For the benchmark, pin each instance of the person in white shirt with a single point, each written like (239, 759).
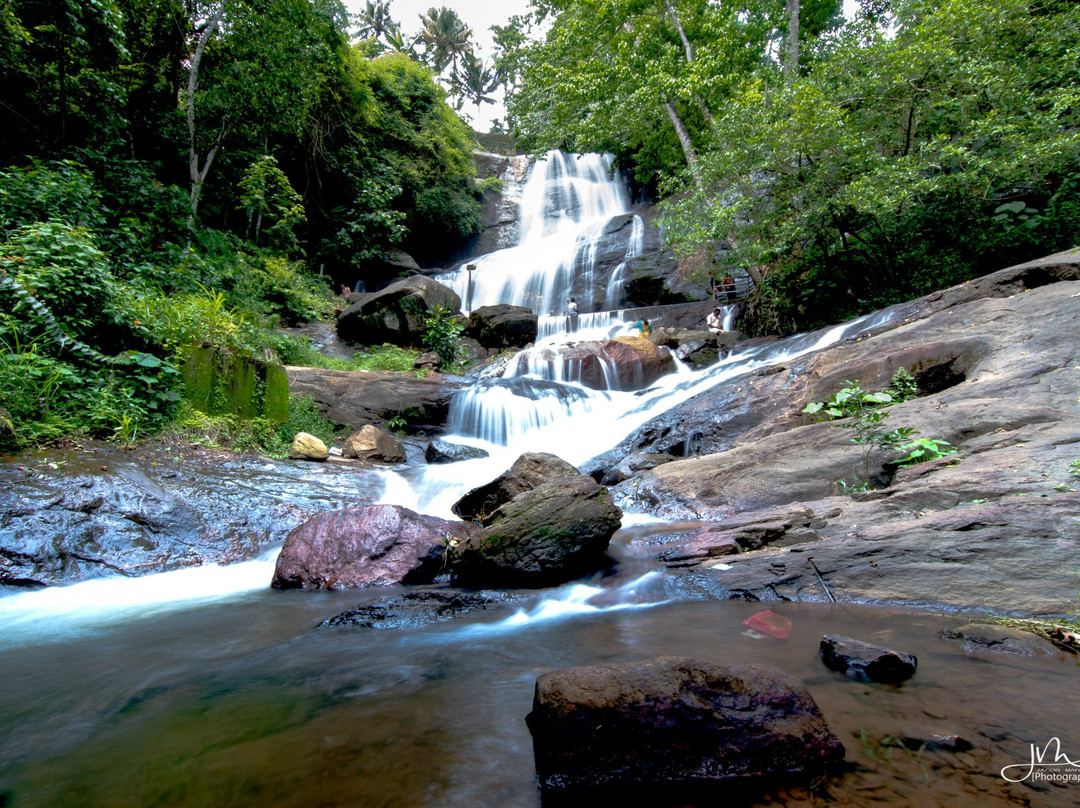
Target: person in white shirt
(715, 322)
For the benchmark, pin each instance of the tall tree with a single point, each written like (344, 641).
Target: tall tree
(446, 40)
(478, 80)
(373, 21)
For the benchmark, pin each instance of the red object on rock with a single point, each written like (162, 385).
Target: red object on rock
(771, 623)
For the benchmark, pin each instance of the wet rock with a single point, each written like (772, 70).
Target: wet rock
(355, 398)
(366, 546)
(706, 544)
(555, 532)
(529, 470)
(441, 451)
(999, 639)
(97, 513)
(306, 446)
(860, 660)
(502, 326)
(397, 313)
(668, 723)
(624, 363)
(631, 465)
(371, 443)
(418, 609)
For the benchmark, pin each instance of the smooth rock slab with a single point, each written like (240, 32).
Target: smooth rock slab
(861, 660)
(672, 721)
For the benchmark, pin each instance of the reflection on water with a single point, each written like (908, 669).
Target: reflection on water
(245, 703)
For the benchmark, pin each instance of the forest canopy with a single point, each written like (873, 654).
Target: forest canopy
(843, 163)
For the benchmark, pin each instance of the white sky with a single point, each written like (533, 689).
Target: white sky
(479, 15)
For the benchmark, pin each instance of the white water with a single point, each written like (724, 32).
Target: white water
(565, 205)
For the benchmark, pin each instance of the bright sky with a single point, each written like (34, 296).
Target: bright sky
(479, 15)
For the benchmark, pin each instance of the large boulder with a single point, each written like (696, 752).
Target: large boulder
(371, 443)
(502, 326)
(529, 470)
(536, 530)
(667, 723)
(623, 363)
(366, 546)
(355, 398)
(397, 313)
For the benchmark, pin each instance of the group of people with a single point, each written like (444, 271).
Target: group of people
(726, 286)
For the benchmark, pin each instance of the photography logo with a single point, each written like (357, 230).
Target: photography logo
(1047, 764)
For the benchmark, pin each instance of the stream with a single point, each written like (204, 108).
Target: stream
(204, 687)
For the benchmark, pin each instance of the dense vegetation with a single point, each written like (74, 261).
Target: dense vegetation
(844, 164)
(184, 171)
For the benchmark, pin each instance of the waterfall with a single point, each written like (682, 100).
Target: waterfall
(566, 203)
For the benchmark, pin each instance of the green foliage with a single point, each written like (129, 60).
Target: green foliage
(267, 194)
(865, 412)
(442, 334)
(59, 265)
(924, 450)
(902, 386)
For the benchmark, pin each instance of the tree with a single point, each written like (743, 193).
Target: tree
(636, 77)
(252, 75)
(446, 41)
(477, 80)
(374, 20)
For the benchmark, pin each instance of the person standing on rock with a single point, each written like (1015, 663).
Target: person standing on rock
(644, 328)
(571, 307)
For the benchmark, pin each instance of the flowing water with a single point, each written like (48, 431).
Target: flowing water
(206, 688)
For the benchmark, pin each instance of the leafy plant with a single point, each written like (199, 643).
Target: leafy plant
(442, 332)
(924, 450)
(864, 412)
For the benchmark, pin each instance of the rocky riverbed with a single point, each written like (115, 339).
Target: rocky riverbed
(992, 527)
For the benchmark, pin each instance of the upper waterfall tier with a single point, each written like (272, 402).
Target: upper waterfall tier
(576, 233)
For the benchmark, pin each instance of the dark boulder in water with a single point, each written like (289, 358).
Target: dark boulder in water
(668, 724)
(542, 523)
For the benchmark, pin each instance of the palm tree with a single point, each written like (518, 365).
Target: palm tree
(446, 39)
(374, 20)
(477, 80)
(397, 41)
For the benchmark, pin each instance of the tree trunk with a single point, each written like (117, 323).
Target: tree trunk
(684, 140)
(197, 173)
(688, 49)
(791, 60)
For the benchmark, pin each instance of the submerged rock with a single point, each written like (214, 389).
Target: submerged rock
(417, 609)
(668, 723)
(861, 660)
(999, 639)
(366, 546)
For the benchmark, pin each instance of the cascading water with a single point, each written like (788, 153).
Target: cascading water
(204, 687)
(565, 205)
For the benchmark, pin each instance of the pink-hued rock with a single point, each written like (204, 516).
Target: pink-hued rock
(369, 545)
